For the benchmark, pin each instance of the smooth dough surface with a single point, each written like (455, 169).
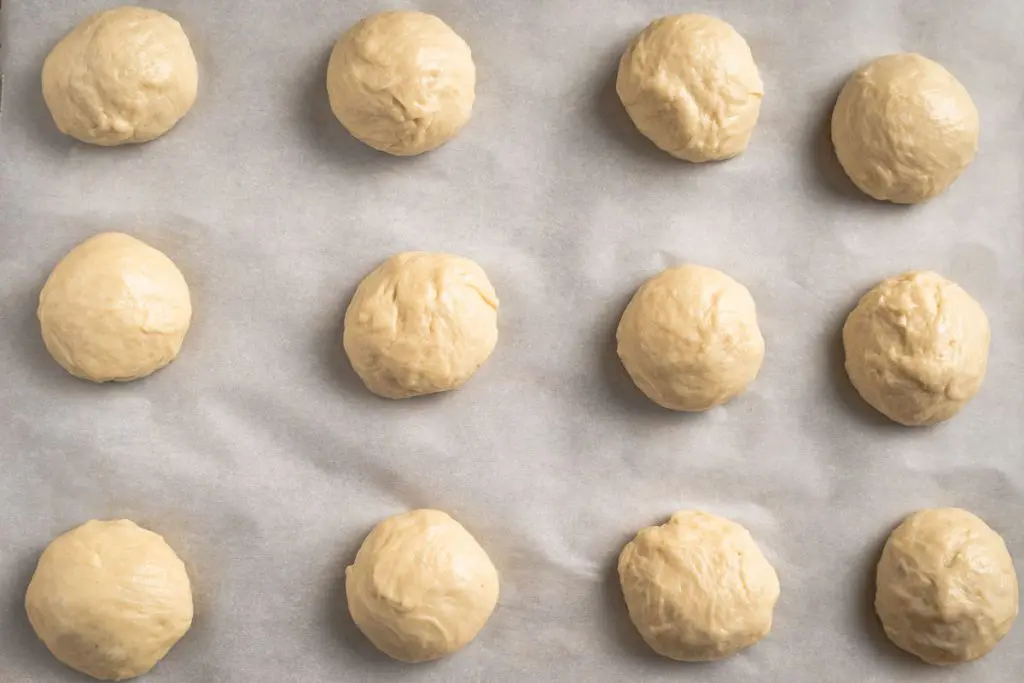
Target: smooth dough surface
(947, 590)
(421, 323)
(123, 75)
(691, 86)
(904, 128)
(110, 599)
(689, 338)
(917, 348)
(114, 308)
(421, 586)
(698, 588)
(402, 82)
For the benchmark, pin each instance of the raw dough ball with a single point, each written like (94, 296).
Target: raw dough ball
(124, 75)
(114, 308)
(917, 348)
(421, 586)
(402, 82)
(421, 323)
(690, 84)
(947, 590)
(110, 599)
(698, 588)
(904, 128)
(689, 338)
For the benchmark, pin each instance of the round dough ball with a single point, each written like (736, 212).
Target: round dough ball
(124, 75)
(917, 348)
(114, 308)
(690, 84)
(904, 128)
(402, 82)
(421, 586)
(421, 323)
(109, 599)
(947, 591)
(689, 338)
(698, 588)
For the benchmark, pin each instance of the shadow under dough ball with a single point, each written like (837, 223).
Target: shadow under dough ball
(947, 590)
(114, 309)
(121, 76)
(402, 82)
(904, 128)
(689, 338)
(917, 348)
(110, 599)
(421, 323)
(698, 588)
(421, 587)
(690, 85)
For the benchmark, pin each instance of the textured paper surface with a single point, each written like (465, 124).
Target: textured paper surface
(264, 462)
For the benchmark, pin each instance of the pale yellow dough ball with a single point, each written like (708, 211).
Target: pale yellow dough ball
(123, 75)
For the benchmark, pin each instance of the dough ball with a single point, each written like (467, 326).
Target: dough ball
(947, 591)
(421, 586)
(698, 588)
(114, 308)
(904, 128)
(402, 82)
(689, 338)
(917, 348)
(109, 599)
(124, 75)
(421, 323)
(690, 84)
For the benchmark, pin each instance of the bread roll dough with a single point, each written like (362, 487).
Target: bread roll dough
(904, 128)
(917, 348)
(698, 588)
(689, 338)
(947, 590)
(114, 308)
(421, 323)
(402, 82)
(109, 599)
(421, 586)
(123, 75)
(690, 84)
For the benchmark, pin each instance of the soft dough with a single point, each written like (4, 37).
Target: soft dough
(124, 75)
(698, 588)
(689, 338)
(110, 599)
(114, 308)
(421, 586)
(402, 82)
(904, 128)
(947, 590)
(691, 85)
(421, 323)
(917, 348)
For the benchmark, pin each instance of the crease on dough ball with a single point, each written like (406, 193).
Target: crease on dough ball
(402, 82)
(917, 348)
(689, 338)
(947, 590)
(114, 309)
(698, 588)
(421, 323)
(904, 128)
(421, 587)
(124, 75)
(690, 85)
(110, 599)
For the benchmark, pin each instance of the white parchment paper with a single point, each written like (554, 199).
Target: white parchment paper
(262, 459)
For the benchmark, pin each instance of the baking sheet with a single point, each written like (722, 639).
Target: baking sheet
(264, 462)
